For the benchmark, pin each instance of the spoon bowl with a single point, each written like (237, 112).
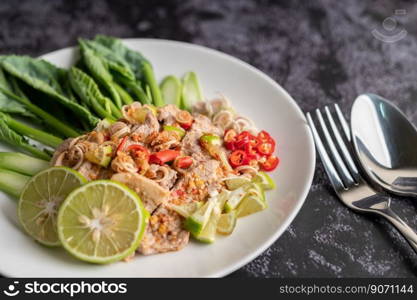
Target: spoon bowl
(385, 142)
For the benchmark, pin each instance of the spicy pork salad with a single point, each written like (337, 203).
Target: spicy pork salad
(145, 167)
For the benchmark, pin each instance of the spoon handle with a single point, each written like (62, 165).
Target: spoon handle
(409, 234)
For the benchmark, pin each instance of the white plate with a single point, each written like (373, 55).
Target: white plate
(253, 94)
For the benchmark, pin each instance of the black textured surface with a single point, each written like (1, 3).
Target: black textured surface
(321, 52)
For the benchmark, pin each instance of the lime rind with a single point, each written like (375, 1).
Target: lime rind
(35, 194)
(142, 221)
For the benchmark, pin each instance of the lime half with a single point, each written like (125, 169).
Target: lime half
(40, 200)
(102, 222)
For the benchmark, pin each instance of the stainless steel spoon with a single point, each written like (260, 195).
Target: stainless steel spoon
(385, 143)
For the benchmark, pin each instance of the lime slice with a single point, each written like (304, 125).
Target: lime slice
(186, 210)
(250, 205)
(40, 200)
(227, 223)
(234, 199)
(265, 181)
(198, 220)
(234, 183)
(102, 222)
(257, 190)
(208, 234)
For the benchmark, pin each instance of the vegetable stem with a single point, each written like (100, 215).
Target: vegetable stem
(153, 85)
(36, 134)
(12, 183)
(48, 119)
(21, 163)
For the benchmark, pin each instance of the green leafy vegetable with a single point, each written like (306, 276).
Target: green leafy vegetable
(140, 66)
(46, 117)
(44, 77)
(126, 98)
(8, 104)
(100, 72)
(89, 93)
(13, 138)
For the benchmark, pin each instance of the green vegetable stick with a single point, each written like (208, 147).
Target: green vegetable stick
(171, 90)
(191, 90)
(13, 138)
(12, 183)
(22, 163)
(153, 85)
(33, 133)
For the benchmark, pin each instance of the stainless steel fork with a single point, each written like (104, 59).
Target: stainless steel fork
(344, 175)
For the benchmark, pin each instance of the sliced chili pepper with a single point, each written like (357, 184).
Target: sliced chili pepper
(266, 148)
(121, 145)
(163, 157)
(230, 139)
(183, 162)
(242, 139)
(139, 149)
(238, 158)
(264, 136)
(251, 152)
(270, 164)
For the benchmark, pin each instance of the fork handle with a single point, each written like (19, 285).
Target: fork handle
(409, 234)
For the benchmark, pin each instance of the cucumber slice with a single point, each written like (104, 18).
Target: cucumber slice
(191, 91)
(171, 90)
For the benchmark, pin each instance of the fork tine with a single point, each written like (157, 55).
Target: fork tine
(348, 158)
(337, 159)
(343, 122)
(327, 162)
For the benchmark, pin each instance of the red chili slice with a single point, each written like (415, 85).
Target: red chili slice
(238, 158)
(229, 139)
(163, 157)
(266, 148)
(183, 162)
(264, 136)
(270, 164)
(138, 149)
(121, 145)
(251, 152)
(242, 139)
